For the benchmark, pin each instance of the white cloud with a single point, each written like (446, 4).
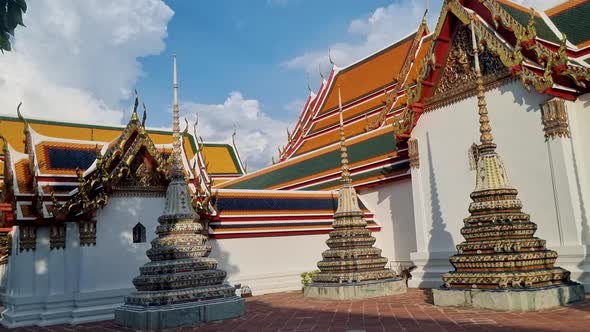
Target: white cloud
(258, 135)
(384, 26)
(76, 60)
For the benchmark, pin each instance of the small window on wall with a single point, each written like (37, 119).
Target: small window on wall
(139, 233)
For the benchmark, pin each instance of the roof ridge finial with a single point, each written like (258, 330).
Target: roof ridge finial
(144, 117)
(427, 4)
(176, 161)
(320, 70)
(484, 128)
(134, 116)
(330, 57)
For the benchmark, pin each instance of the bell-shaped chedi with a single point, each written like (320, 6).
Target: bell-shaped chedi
(180, 285)
(352, 268)
(501, 264)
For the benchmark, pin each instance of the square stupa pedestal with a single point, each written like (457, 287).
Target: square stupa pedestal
(510, 300)
(162, 317)
(355, 291)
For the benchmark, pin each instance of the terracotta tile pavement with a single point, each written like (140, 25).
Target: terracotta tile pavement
(407, 312)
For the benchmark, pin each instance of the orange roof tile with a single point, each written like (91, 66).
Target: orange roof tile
(563, 7)
(370, 74)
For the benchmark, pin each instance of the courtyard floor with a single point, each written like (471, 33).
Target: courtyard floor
(408, 312)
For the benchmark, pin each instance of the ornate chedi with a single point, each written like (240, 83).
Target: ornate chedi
(501, 265)
(352, 267)
(180, 285)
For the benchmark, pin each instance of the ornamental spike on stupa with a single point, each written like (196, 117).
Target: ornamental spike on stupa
(499, 251)
(347, 199)
(352, 268)
(180, 285)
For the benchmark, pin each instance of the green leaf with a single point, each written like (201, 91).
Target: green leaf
(22, 4)
(5, 42)
(13, 16)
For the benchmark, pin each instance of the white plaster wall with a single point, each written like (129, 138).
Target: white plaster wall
(579, 119)
(115, 260)
(444, 137)
(268, 265)
(80, 284)
(393, 207)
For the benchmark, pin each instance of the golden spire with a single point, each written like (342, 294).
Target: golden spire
(347, 199)
(484, 121)
(176, 161)
(343, 149)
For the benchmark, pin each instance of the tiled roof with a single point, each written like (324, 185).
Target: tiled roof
(363, 86)
(260, 213)
(369, 75)
(573, 18)
(221, 157)
(523, 15)
(24, 177)
(64, 158)
(374, 147)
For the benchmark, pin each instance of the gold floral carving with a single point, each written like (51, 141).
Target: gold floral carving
(5, 247)
(57, 236)
(413, 153)
(555, 122)
(458, 76)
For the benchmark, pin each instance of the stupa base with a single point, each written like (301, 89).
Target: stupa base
(162, 317)
(510, 300)
(354, 291)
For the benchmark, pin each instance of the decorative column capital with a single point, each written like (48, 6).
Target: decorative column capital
(554, 115)
(87, 229)
(413, 153)
(27, 238)
(57, 236)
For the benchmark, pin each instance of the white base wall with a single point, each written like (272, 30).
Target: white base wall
(392, 204)
(80, 284)
(271, 264)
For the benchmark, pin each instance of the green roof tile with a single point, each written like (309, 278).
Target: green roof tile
(376, 146)
(574, 22)
(543, 30)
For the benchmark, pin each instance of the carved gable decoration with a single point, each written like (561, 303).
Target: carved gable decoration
(132, 162)
(457, 79)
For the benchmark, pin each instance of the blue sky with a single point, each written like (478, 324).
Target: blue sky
(243, 46)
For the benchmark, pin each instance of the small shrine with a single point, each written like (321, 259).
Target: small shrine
(501, 265)
(352, 268)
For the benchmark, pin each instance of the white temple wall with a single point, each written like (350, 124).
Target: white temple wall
(444, 180)
(576, 257)
(269, 264)
(392, 205)
(115, 223)
(80, 284)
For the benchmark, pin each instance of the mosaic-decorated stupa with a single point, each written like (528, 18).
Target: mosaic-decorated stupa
(352, 259)
(180, 281)
(500, 250)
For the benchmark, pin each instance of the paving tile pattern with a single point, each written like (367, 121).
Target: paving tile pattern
(407, 312)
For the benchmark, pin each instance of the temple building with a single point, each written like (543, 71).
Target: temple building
(80, 202)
